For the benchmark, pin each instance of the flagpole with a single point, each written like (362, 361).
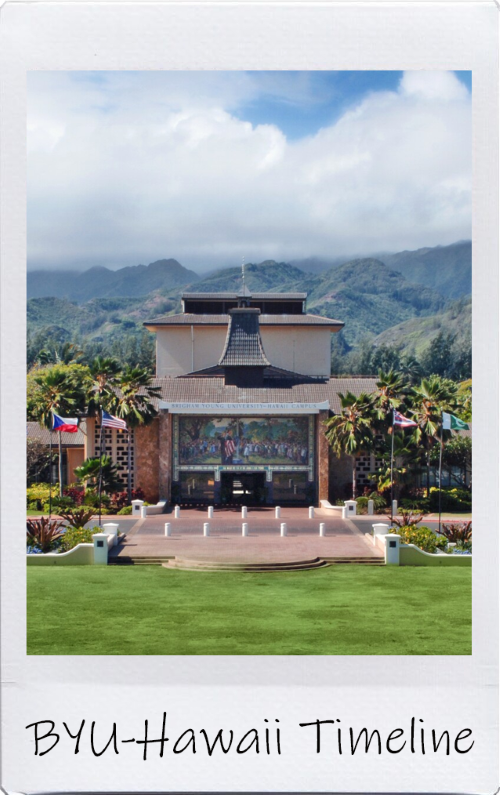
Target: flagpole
(440, 468)
(100, 470)
(50, 467)
(392, 466)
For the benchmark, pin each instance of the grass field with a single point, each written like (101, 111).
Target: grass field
(338, 610)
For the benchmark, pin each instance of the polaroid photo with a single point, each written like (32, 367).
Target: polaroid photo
(249, 267)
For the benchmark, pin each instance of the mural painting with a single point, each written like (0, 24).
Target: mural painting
(243, 440)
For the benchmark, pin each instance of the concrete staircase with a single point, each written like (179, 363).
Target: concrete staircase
(188, 564)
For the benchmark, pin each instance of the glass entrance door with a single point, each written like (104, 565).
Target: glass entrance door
(243, 488)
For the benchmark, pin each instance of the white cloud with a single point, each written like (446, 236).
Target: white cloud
(128, 169)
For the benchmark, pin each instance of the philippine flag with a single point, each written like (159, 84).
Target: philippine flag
(403, 422)
(64, 424)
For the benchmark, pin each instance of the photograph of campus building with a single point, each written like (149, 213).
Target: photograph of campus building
(245, 389)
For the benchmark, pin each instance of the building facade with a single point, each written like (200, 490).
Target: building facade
(245, 391)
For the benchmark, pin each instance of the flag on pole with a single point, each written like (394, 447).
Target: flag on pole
(403, 422)
(452, 423)
(108, 421)
(64, 424)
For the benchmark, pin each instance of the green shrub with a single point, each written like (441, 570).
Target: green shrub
(423, 537)
(78, 517)
(126, 511)
(451, 500)
(77, 535)
(92, 499)
(416, 504)
(38, 494)
(62, 503)
(459, 533)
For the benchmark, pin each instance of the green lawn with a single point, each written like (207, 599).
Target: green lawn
(338, 610)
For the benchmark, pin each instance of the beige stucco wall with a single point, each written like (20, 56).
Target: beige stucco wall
(410, 555)
(183, 349)
(81, 555)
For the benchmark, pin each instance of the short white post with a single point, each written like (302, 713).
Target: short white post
(392, 544)
(168, 529)
(380, 529)
(394, 507)
(277, 512)
(349, 509)
(283, 529)
(371, 507)
(244, 529)
(136, 507)
(244, 511)
(177, 512)
(144, 511)
(322, 529)
(210, 512)
(111, 529)
(100, 548)
(311, 512)
(206, 529)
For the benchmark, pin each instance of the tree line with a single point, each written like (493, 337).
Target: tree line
(365, 426)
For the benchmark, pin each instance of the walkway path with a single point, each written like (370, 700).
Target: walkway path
(264, 543)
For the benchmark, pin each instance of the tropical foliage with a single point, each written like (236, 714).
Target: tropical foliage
(43, 534)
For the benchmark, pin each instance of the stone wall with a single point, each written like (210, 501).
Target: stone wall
(165, 455)
(340, 480)
(323, 457)
(146, 460)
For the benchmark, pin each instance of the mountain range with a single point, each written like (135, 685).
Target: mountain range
(403, 298)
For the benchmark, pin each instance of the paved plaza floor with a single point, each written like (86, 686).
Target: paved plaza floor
(343, 539)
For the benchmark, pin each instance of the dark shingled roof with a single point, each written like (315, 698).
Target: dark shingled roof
(255, 296)
(41, 434)
(243, 346)
(189, 319)
(214, 390)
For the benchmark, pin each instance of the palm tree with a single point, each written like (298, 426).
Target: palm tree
(428, 400)
(134, 404)
(104, 373)
(56, 392)
(351, 431)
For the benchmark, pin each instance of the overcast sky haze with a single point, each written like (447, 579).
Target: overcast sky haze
(207, 167)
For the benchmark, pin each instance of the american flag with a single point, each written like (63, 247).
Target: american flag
(108, 421)
(403, 422)
(230, 447)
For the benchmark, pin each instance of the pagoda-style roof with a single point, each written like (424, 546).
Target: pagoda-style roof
(243, 346)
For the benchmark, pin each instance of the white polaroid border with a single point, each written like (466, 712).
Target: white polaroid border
(240, 692)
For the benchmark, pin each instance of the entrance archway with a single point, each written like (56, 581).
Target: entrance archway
(243, 488)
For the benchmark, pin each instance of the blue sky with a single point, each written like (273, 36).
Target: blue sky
(331, 94)
(129, 167)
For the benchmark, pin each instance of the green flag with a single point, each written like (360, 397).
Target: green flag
(452, 423)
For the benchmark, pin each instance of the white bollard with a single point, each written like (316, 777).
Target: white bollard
(210, 512)
(177, 512)
(380, 529)
(244, 511)
(283, 529)
(244, 529)
(311, 512)
(206, 529)
(277, 512)
(144, 511)
(350, 507)
(136, 507)
(168, 529)
(322, 529)
(371, 507)
(111, 529)
(394, 507)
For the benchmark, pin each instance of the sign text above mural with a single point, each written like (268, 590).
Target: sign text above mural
(244, 408)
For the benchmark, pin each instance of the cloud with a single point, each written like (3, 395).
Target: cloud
(131, 167)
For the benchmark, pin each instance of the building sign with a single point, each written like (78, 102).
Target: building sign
(243, 444)
(244, 408)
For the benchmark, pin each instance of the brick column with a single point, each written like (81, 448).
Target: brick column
(165, 454)
(323, 458)
(146, 460)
